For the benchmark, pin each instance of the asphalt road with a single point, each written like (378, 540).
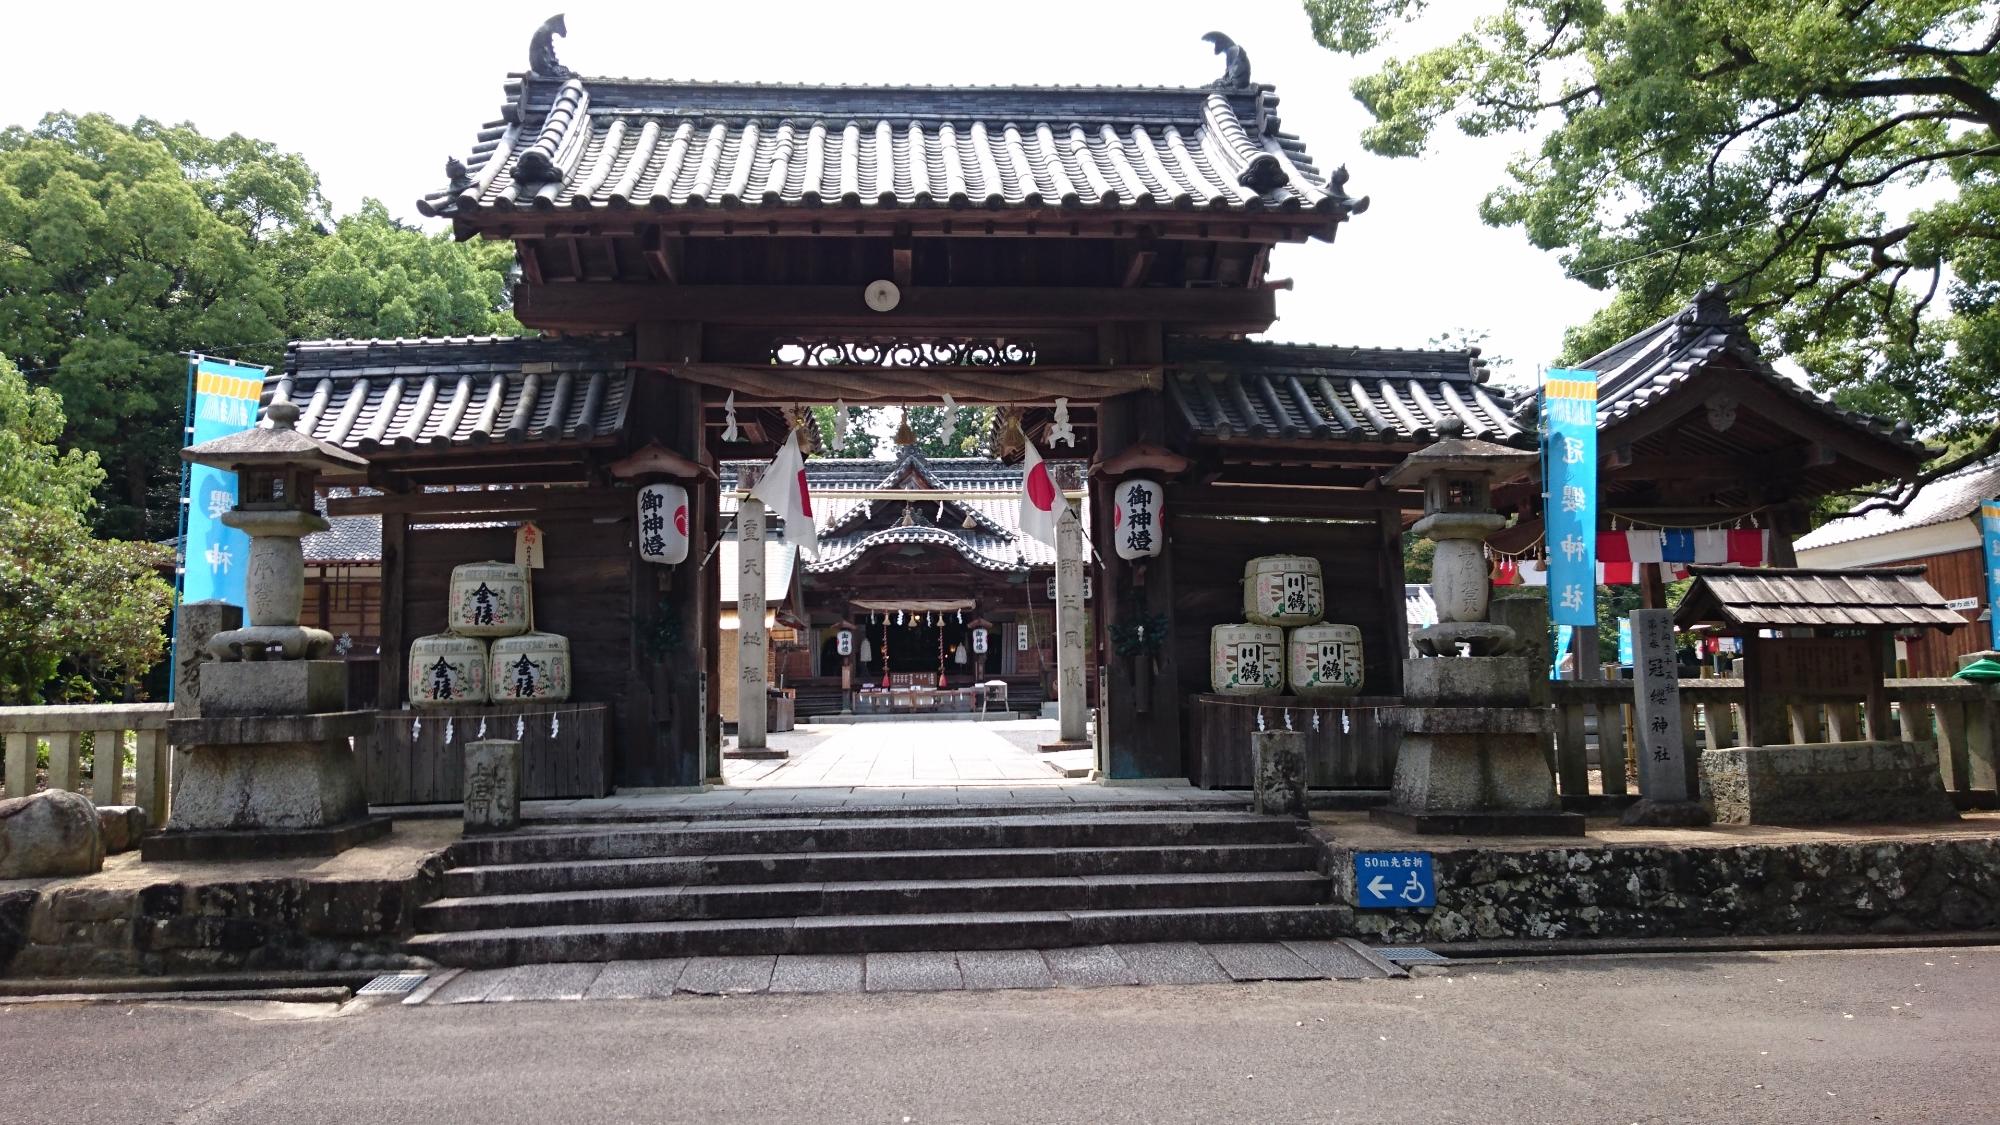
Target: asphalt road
(1894, 1036)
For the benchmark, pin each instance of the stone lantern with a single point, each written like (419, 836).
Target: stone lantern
(277, 469)
(1471, 761)
(268, 768)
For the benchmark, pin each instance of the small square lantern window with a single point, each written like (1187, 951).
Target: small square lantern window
(1453, 493)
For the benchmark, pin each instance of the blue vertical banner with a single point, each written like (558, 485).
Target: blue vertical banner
(1989, 534)
(1569, 497)
(222, 400)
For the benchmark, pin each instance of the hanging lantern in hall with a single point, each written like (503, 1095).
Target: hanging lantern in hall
(1138, 527)
(663, 523)
(979, 639)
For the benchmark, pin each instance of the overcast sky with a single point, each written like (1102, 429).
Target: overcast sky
(376, 95)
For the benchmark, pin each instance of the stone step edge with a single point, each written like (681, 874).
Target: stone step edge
(845, 886)
(837, 921)
(887, 818)
(851, 810)
(470, 869)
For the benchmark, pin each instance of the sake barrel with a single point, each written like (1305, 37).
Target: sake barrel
(447, 668)
(530, 666)
(1246, 659)
(1283, 590)
(1324, 660)
(490, 599)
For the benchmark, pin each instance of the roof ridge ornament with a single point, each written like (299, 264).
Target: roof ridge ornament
(1236, 62)
(542, 50)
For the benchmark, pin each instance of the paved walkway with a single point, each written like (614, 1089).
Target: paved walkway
(1088, 966)
(902, 753)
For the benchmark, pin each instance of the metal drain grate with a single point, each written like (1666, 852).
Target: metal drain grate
(392, 984)
(1410, 954)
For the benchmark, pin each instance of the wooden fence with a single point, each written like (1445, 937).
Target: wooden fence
(1961, 717)
(1350, 743)
(27, 729)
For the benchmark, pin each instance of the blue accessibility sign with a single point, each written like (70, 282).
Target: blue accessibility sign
(1394, 880)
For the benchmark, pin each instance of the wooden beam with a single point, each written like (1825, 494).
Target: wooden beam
(864, 386)
(662, 257)
(480, 501)
(619, 305)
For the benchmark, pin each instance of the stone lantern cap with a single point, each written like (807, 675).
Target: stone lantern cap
(1454, 454)
(277, 446)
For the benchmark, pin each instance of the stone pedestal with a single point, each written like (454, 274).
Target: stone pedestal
(1278, 772)
(492, 785)
(1827, 783)
(1471, 761)
(195, 624)
(273, 687)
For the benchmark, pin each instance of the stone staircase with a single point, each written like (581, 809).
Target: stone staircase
(870, 884)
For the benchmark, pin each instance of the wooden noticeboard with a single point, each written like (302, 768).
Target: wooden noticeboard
(1817, 667)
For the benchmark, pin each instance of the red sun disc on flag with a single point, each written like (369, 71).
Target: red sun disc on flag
(1041, 490)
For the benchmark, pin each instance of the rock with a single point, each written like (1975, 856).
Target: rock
(121, 827)
(53, 832)
(1647, 813)
(1278, 760)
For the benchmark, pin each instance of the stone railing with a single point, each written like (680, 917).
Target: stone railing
(26, 728)
(1963, 718)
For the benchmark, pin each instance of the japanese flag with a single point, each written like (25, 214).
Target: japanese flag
(1038, 498)
(783, 491)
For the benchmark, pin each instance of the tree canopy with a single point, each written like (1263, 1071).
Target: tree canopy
(1832, 163)
(122, 246)
(86, 610)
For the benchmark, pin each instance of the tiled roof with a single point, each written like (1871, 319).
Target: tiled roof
(1951, 497)
(1312, 392)
(1772, 598)
(346, 539)
(1648, 365)
(593, 143)
(369, 394)
(994, 542)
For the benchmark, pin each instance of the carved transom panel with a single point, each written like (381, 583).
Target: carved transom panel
(901, 351)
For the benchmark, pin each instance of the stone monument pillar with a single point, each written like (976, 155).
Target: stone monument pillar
(268, 769)
(1471, 761)
(1072, 698)
(752, 641)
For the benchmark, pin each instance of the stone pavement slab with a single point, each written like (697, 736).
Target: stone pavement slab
(636, 980)
(1005, 968)
(818, 972)
(469, 987)
(1089, 966)
(715, 976)
(1335, 959)
(914, 972)
(1172, 962)
(546, 982)
(1261, 960)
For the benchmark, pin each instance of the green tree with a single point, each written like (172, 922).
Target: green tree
(1831, 161)
(373, 276)
(970, 434)
(70, 605)
(123, 246)
(860, 442)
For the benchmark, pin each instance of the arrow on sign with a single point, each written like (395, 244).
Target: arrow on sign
(1380, 887)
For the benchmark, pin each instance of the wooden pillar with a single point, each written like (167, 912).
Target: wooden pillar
(661, 743)
(395, 634)
(1396, 607)
(706, 672)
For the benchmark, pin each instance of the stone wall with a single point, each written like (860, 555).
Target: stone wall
(151, 920)
(1883, 886)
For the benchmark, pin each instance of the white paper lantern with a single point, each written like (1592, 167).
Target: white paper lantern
(979, 641)
(844, 643)
(1138, 527)
(663, 523)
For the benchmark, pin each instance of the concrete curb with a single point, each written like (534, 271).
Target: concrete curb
(287, 979)
(1486, 951)
(331, 995)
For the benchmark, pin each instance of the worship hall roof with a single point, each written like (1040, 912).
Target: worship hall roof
(1240, 389)
(567, 143)
(850, 528)
(1779, 598)
(455, 393)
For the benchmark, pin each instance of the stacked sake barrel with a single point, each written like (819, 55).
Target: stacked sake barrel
(460, 665)
(1284, 600)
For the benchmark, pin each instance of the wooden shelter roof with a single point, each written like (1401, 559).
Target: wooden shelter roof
(1238, 389)
(1781, 598)
(571, 144)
